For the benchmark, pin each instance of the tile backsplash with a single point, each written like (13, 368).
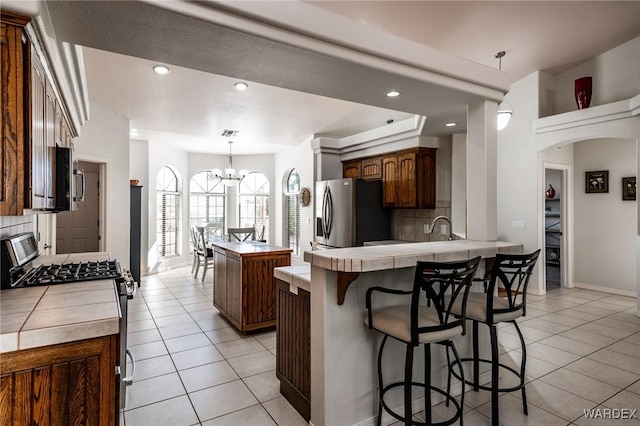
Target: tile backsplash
(10, 225)
(408, 224)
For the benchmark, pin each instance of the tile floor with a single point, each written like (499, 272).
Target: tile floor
(193, 368)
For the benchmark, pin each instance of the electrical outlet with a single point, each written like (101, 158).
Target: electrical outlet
(426, 229)
(443, 229)
(517, 224)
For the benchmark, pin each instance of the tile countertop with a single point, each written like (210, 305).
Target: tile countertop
(396, 256)
(298, 276)
(47, 315)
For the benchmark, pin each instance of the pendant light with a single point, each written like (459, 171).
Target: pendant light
(229, 178)
(505, 111)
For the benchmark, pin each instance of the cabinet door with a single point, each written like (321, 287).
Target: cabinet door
(351, 170)
(371, 169)
(68, 384)
(12, 140)
(38, 141)
(389, 181)
(50, 103)
(426, 178)
(406, 175)
(220, 280)
(235, 286)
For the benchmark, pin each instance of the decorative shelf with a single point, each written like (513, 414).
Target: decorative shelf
(553, 263)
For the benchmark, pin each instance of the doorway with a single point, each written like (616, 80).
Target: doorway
(78, 231)
(557, 196)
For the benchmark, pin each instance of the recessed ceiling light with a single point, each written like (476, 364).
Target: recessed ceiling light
(393, 93)
(241, 85)
(451, 124)
(161, 69)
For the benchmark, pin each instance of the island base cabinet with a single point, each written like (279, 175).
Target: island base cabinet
(67, 384)
(244, 287)
(293, 347)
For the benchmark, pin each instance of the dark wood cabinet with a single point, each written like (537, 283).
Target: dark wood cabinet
(244, 288)
(366, 168)
(33, 123)
(293, 347)
(351, 169)
(13, 150)
(409, 179)
(72, 383)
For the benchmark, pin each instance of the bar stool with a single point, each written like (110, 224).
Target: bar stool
(443, 283)
(511, 274)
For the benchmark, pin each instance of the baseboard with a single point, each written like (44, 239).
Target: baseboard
(418, 404)
(606, 289)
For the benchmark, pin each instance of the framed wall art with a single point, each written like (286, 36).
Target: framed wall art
(629, 188)
(596, 182)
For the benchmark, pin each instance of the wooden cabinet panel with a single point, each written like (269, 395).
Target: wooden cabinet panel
(12, 138)
(235, 288)
(389, 181)
(71, 383)
(293, 347)
(220, 280)
(351, 169)
(406, 178)
(245, 292)
(371, 168)
(409, 179)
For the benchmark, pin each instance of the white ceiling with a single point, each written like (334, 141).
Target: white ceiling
(193, 104)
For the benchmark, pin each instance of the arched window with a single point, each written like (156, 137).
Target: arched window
(207, 200)
(167, 212)
(253, 203)
(292, 212)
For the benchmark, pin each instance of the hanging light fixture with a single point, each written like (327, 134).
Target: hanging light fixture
(505, 111)
(229, 178)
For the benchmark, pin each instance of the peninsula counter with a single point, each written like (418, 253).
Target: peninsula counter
(343, 349)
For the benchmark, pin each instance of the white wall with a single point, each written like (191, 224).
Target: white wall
(301, 158)
(616, 76)
(517, 175)
(105, 139)
(605, 226)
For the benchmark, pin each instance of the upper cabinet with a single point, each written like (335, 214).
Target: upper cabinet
(408, 177)
(33, 125)
(366, 168)
(12, 155)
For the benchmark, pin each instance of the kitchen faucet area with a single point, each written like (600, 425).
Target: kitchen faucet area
(221, 213)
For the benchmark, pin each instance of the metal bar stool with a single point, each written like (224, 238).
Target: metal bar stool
(511, 274)
(420, 323)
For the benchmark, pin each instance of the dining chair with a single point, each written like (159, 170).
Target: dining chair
(204, 253)
(241, 234)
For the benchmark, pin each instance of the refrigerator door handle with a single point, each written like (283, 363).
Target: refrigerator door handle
(327, 212)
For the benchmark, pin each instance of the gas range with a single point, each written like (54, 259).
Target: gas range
(21, 266)
(71, 272)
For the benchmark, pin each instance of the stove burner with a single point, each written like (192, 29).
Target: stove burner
(72, 272)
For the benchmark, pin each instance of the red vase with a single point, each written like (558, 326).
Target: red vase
(583, 90)
(551, 192)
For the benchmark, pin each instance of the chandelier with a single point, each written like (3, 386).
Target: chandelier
(229, 178)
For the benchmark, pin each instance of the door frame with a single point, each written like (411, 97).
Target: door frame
(566, 225)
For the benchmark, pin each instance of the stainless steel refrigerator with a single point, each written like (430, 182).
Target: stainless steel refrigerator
(349, 212)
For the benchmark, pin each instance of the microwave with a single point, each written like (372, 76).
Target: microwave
(69, 181)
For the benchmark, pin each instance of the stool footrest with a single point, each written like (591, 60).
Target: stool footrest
(484, 387)
(448, 397)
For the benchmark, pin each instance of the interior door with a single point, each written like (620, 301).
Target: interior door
(79, 230)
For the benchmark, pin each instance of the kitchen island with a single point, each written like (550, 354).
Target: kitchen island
(244, 288)
(344, 350)
(59, 350)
